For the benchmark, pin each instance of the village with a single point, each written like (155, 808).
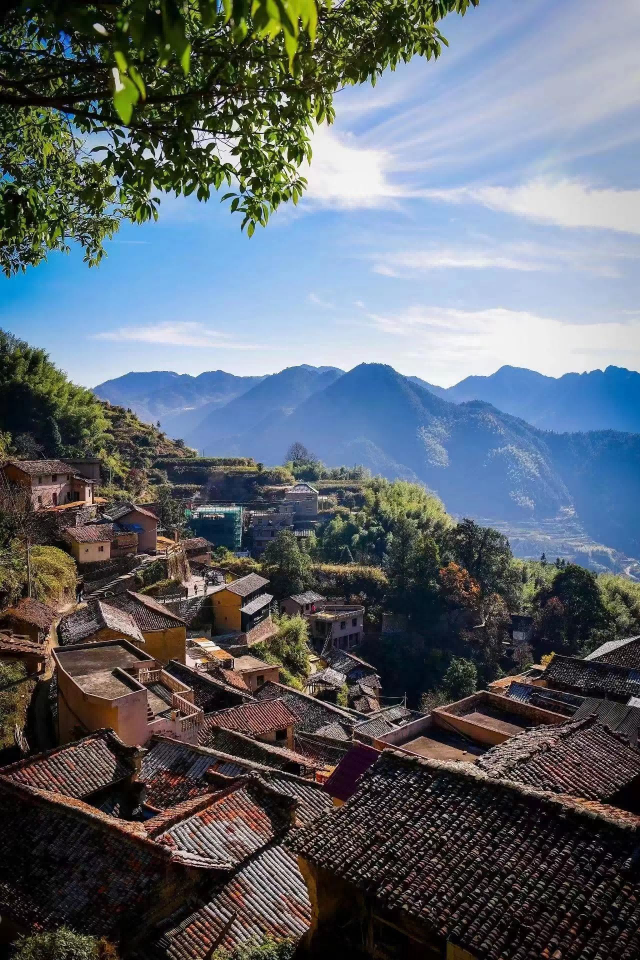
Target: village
(178, 794)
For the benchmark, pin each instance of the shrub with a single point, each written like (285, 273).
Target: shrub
(63, 944)
(53, 574)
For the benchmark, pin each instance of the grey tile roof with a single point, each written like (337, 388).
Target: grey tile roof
(313, 801)
(31, 611)
(90, 533)
(622, 717)
(257, 718)
(274, 904)
(232, 825)
(309, 596)
(313, 713)
(77, 769)
(247, 585)
(504, 871)
(147, 612)
(593, 678)
(239, 745)
(97, 615)
(210, 692)
(624, 653)
(581, 757)
(36, 468)
(544, 697)
(257, 604)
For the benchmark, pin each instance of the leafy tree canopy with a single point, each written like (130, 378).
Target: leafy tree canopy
(287, 565)
(63, 944)
(461, 679)
(289, 647)
(103, 106)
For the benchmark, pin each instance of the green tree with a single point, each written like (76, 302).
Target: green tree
(170, 511)
(287, 566)
(584, 613)
(63, 944)
(184, 97)
(402, 562)
(289, 647)
(268, 949)
(461, 679)
(486, 555)
(37, 400)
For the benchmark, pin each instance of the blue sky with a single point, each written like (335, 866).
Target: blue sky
(463, 214)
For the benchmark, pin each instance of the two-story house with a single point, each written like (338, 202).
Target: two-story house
(50, 482)
(304, 498)
(336, 626)
(241, 606)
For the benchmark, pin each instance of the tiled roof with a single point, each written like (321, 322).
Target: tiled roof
(313, 713)
(327, 677)
(269, 754)
(344, 780)
(622, 717)
(255, 718)
(210, 690)
(247, 585)
(545, 697)
(195, 543)
(90, 533)
(234, 824)
(65, 863)
(345, 662)
(78, 769)
(503, 871)
(257, 604)
(624, 653)
(173, 772)
(333, 730)
(375, 727)
(313, 801)
(37, 468)
(232, 678)
(147, 612)
(591, 677)
(309, 596)
(13, 643)
(120, 510)
(97, 615)
(324, 750)
(31, 611)
(266, 898)
(581, 757)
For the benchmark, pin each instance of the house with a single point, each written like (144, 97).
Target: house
(133, 518)
(32, 619)
(521, 627)
(50, 483)
(622, 653)
(301, 604)
(336, 626)
(98, 620)
(582, 758)
(241, 606)
(267, 754)
(197, 549)
(162, 873)
(314, 716)
(89, 543)
(265, 525)
(592, 678)
(165, 634)
(488, 719)
(14, 646)
(114, 684)
(304, 498)
(255, 672)
(430, 859)
(210, 691)
(269, 720)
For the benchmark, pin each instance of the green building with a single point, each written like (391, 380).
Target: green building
(218, 523)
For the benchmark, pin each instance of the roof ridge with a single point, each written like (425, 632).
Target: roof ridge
(299, 693)
(103, 733)
(583, 809)
(188, 808)
(597, 664)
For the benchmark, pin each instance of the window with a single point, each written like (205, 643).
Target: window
(86, 549)
(39, 479)
(354, 622)
(54, 478)
(100, 549)
(260, 679)
(343, 624)
(281, 734)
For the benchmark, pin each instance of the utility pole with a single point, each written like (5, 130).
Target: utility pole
(28, 569)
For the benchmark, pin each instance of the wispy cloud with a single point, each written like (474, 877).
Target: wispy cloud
(346, 175)
(320, 301)
(452, 343)
(565, 203)
(177, 334)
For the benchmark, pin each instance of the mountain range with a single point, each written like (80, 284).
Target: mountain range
(483, 460)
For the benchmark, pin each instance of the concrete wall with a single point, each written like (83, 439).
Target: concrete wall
(91, 552)
(148, 536)
(266, 673)
(226, 611)
(79, 712)
(165, 645)
(453, 716)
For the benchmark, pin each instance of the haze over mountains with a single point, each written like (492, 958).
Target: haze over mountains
(482, 460)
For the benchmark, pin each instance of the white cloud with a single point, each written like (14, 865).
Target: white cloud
(565, 203)
(346, 175)
(451, 343)
(417, 261)
(178, 334)
(320, 302)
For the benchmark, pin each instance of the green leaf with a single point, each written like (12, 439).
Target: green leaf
(126, 94)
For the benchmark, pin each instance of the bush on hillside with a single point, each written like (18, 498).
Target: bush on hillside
(53, 574)
(63, 944)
